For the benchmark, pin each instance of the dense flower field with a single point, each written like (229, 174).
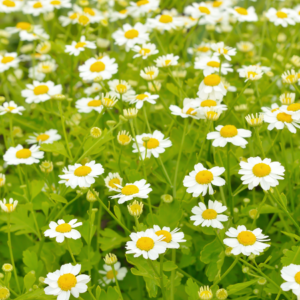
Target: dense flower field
(149, 149)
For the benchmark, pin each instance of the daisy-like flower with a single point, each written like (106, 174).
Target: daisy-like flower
(146, 243)
(124, 138)
(40, 91)
(111, 180)
(2, 179)
(205, 293)
(94, 88)
(154, 146)
(201, 50)
(103, 67)
(8, 6)
(72, 17)
(207, 13)
(211, 104)
(255, 120)
(211, 216)
(145, 50)
(139, 99)
(36, 7)
(190, 109)
(11, 107)
(211, 65)
(66, 281)
(142, 7)
(108, 100)
(291, 274)
(212, 113)
(8, 60)
(211, 87)
(19, 155)
(109, 275)
(119, 15)
(58, 4)
(251, 72)
(62, 230)
(221, 49)
(75, 48)
(131, 35)
(246, 241)
(37, 33)
(135, 208)
(81, 175)
(149, 73)
(283, 117)
(287, 98)
(167, 60)
(86, 105)
(289, 76)
(119, 87)
(201, 179)
(243, 14)
(229, 134)
(245, 46)
(172, 238)
(47, 137)
(20, 26)
(283, 17)
(10, 206)
(261, 172)
(138, 189)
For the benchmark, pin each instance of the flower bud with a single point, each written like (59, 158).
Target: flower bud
(167, 198)
(110, 259)
(91, 196)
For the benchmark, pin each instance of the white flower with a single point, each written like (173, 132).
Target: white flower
(40, 91)
(93, 15)
(37, 33)
(287, 98)
(229, 134)
(131, 35)
(155, 146)
(246, 241)
(86, 105)
(245, 46)
(190, 109)
(58, 4)
(72, 18)
(291, 274)
(165, 21)
(172, 238)
(145, 50)
(221, 49)
(167, 60)
(207, 13)
(146, 243)
(138, 189)
(283, 17)
(208, 104)
(112, 181)
(139, 99)
(296, 15)
(8, 6)
(211, 65)
(2, 179)
(19, 155)
(251, 72)
(10, 206)
(109, 275)
(11, 107)
(94, 88)
(119, 15)
(36, 7)
(103, 67)
(75, 48)
(143, 7)
(62, 230)
(211, 87)
(64, 282)
(81, 175)
(201, 179)
(290, 76)
(211, 216)
(261, 172)
(149, 73)
(201, 50)
(243, 14)
(47, 137)
(8, 60)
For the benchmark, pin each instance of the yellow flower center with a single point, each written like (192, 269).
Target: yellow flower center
(67, 281)
(281, 15)
(213, 64)
(9, 3)
(23, 153)
(95, 103)
(73, 16)
(55, 2)
(145, 243)
(121, 88)
(123, 11)
(130, 189)
(144, 51)
(246, 238)
(209, 214)
(123, 138)
(203, 48)
(208, 103)
(9, 207)
(241, 11)
(89, 11)
(217, 3)
(151, 144)
(142, 2)
(63, 228)
(7, 59)
(274, 109)
(297, 277)
(112, 183)
(204, 177)
(284, 117)
(167, 235)
(97, 66)
(108, 101)
(223, 50)
(191, 112)
(294, 107)
(42, 137)
(83, 20)
(141, 96)
(204, 10)
(212, 80)
(82, 171)
(131, 34)
(251, 74)
(37, 5)
(211, 115)
(11, 108)
(165, 19)
(255, 121)
(167, 62)
(228, 131)
(290, 78)
(135, 208)
(80, 45)
(4, 292)
(40, 89)
(23, 25)
(261, 170)
(150, 73)
(205, 295)
(110, 274)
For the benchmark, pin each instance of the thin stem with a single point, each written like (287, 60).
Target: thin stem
(173, 275)
(89, 236)
(70, 251)
(162, 287)
(259, 142)
(230, 198)
(165, 171)
(11, 129)
(117, 283)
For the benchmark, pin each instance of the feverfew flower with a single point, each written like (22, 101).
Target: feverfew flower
(201, 179)
(139, 99)
(62, 230)
(11, 107)
(221, 49)
(149, 73)
(243, 14)
(145, 50)
(211, 216)
(172, 238)
(142, 7)
(111, 180)
(47, 137)
(211, 87)
(10, 206)
(251, 72)
(109, 275)
(243, 241)
(75, 48)
(86, 105)
(190, 109)
(289, 76)
(211, 65)
(283, 17)
(8, 6)
(207, 13)
(261, 172)
(291, 274)
(8, 60)
(165, 21)
(167, 60)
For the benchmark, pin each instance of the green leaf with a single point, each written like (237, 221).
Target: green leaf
(118, 212)
(295, 236)
(58, 198)
(29, 280)
(111, 239)
(172, 88)
(56, 147)
(36, 295)
(111, 294)
(36, 187)
(75, 245)
(169, 266)
(192, 289)
(291, 256)
(235, 288)
(32, 263)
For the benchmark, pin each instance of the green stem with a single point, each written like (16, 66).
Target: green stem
(117, 283)
(162, 276)
(89, 236)
(230, 198)
(165, 171)
(71, 253)
(11, 129)
(259, 142)
(173, 275)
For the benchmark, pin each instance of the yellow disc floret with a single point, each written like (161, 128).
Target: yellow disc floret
(246, 238)
(130, 189)
(167, 235)
(145, 243)
(82, 171)
(228, 131)
(212, 80)
(209, 214)
(63, 228)
(204, 177)
(23, 153)
(261, 170)
(151, 144)
(67, 281)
